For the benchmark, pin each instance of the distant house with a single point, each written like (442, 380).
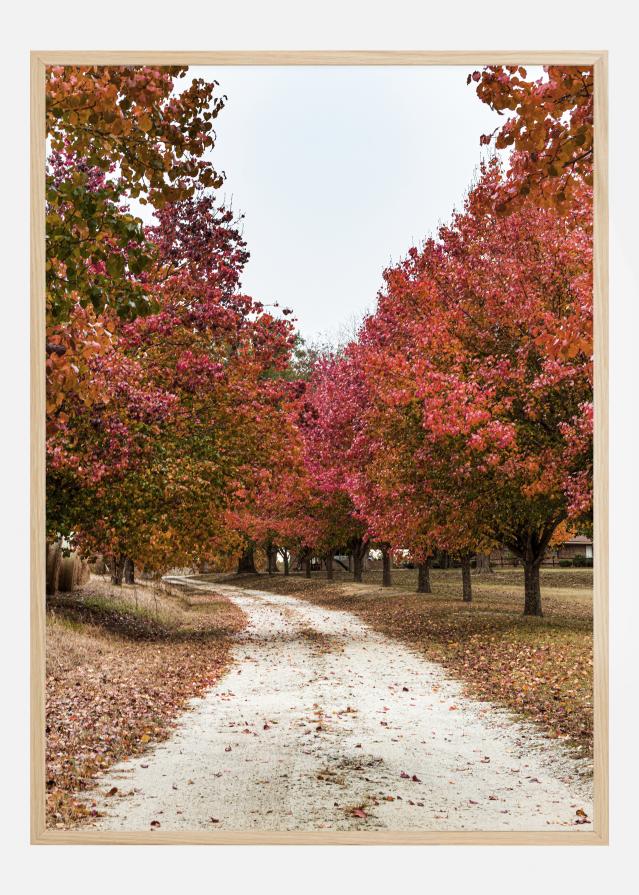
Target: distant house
(580, 545)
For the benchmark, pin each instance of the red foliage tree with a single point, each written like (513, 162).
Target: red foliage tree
(207, 362)
(478, 363)
(330, 417)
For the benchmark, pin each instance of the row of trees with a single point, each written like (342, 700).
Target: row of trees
(460, 417)
(186, 424)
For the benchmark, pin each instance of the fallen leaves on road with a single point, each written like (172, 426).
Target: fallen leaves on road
(117, 677)
(539, 667)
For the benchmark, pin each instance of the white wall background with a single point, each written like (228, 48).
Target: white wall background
(361, 24)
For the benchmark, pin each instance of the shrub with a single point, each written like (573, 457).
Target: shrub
(565, 563)
(582, 562)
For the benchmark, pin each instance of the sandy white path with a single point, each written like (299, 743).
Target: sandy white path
(320, 721)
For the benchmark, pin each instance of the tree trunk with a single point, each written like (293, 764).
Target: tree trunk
(482, 563)
(386, 567)
(117, 570)
(423, 577)
(357, 567)
(329, 566)
(467, 589)
(271, 555)
(307, 566)
(129, 571)
(359, 549)
(246, 564)
(286, 558)
(532, 590)
(54, 562)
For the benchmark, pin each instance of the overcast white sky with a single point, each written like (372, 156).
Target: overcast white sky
(338, 171)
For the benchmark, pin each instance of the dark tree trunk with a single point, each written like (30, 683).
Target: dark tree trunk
(467, 588)
(271, 554)
(128, 571)
(357, 567)
(287, 558)
(117, 569)
(386, 567)
(329, 566)
(528, 546)
(423, 577)
(246, 564)
(307, 566)
(358, 550)
(54, 563)
(532, 590)
(482, 563)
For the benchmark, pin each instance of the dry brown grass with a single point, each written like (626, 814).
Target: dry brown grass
(539, 667)
(121, 665)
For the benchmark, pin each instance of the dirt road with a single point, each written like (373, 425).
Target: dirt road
(323, 724)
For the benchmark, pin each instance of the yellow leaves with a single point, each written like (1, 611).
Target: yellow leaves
(144, 123)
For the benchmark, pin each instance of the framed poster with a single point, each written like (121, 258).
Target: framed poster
(319, 370)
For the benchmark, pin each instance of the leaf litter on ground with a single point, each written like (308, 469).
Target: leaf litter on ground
(122, 664)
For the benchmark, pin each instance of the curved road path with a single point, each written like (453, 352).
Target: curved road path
(321, 723)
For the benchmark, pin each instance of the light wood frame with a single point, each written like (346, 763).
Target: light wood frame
(598, 834)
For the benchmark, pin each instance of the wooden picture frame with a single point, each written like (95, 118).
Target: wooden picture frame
(598, 833)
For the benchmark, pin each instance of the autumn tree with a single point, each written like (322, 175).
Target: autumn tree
(479, 364)
(402, 487)
(116, 134)
(331, 413)
(188, 405)
(549, 129)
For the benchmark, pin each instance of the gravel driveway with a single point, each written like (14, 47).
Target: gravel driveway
(322, 723)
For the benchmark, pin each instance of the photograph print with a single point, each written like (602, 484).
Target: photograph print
(319, 449)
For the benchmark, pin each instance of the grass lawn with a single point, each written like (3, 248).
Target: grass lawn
(121, 664)
(539, 667)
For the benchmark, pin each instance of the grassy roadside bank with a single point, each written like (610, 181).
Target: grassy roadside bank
(121, 665)
(541, 668)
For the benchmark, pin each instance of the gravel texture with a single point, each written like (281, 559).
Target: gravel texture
(322, 723)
